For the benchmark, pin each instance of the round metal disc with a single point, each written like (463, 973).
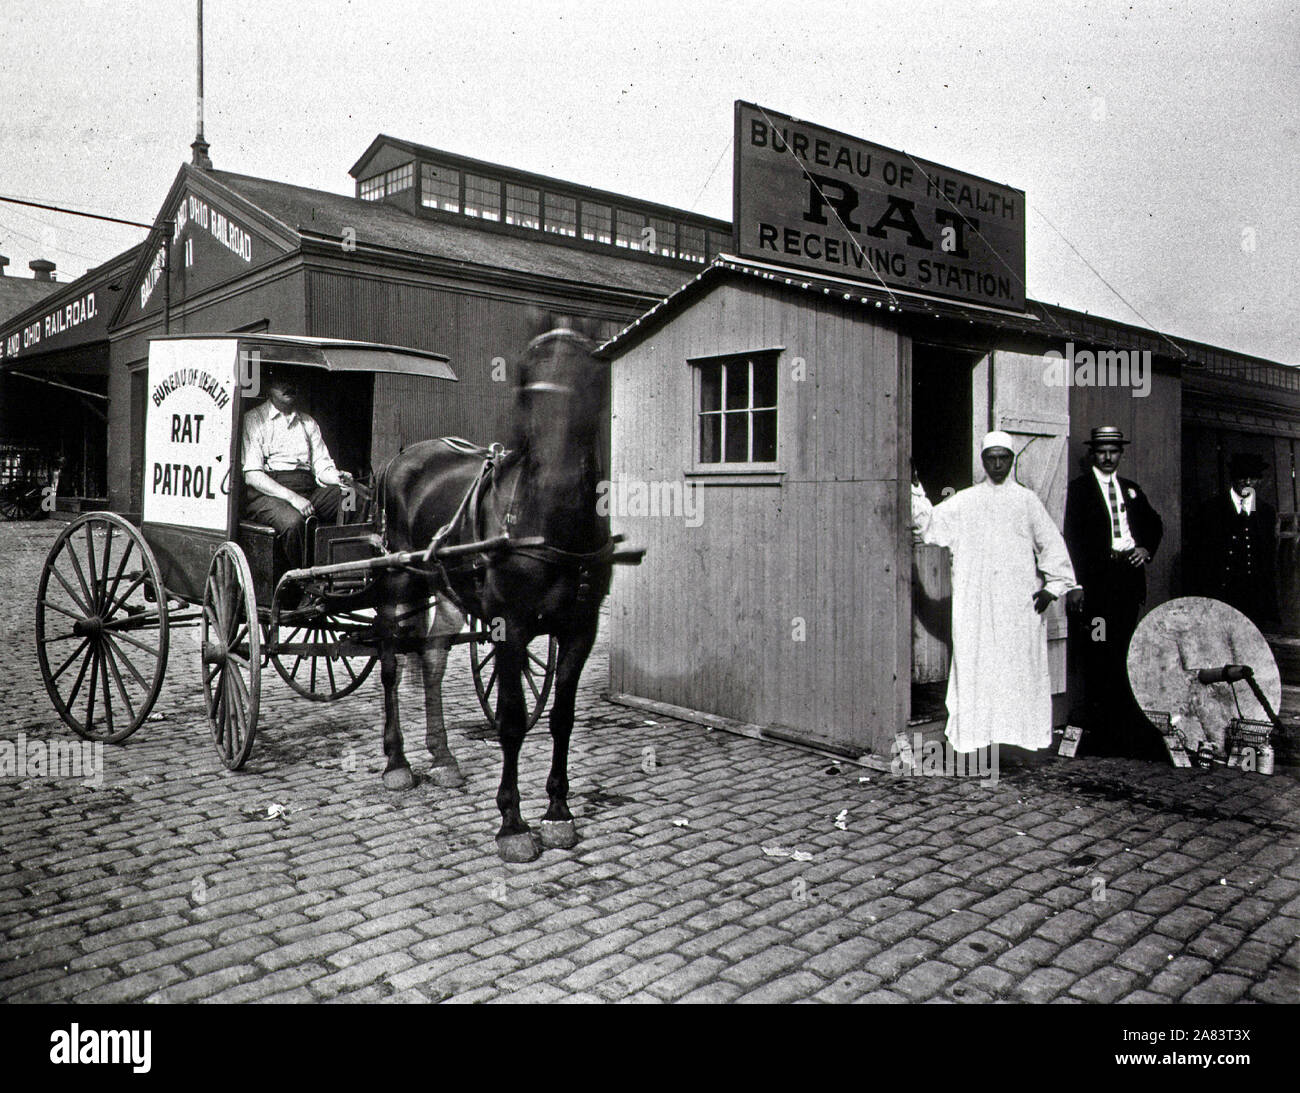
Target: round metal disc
(1176, 640)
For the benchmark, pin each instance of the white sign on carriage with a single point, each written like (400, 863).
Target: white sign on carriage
(189, 419)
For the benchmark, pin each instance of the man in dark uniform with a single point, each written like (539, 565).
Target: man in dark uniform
(1112, 532)
(1236, 545)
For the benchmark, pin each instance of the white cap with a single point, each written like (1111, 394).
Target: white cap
(997, 439)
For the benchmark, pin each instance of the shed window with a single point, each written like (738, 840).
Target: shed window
(737, 409)
(482, 197)
(439, 187)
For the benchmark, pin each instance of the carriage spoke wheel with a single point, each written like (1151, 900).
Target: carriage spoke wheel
(539, 672)
(101, 627)
(231, 642)
(313, 664)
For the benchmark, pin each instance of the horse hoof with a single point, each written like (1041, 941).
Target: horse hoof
(520, 848)
(399, 778)
(449, 777)
(559, 834)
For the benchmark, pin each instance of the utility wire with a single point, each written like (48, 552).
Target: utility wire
(74, 212)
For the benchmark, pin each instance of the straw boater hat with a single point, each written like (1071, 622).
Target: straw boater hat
(1106, 434)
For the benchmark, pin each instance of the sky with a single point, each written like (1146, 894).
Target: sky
(1156, 140)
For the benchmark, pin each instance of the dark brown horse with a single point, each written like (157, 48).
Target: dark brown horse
(545, 488)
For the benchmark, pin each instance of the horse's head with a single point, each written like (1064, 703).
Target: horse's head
(563, 388)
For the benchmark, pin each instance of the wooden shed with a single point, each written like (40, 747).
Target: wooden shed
(782, 593)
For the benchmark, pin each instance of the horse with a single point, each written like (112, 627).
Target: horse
(543, 495)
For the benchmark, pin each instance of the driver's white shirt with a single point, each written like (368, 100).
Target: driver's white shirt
(274, 441)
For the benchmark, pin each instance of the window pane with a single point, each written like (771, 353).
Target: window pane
(718, 241)
(401, 178)
(596, 222)
(372, 189)
(629, 229)
(482, 197)
(440, 187)
(711, 387)
(737, 385)
(711, 438)
(737, 437)
(690, 243)
(765, 383)
(560, 215)
(523, 206)
(765, 436)
(664, 240)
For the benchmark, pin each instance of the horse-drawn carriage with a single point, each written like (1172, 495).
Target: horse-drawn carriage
(511, 540)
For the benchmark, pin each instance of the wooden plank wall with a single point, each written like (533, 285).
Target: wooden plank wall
(789, 604)
(472, 329)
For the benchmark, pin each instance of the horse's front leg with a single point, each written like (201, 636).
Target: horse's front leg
(397, 773)
(558, 829)
(515, 841)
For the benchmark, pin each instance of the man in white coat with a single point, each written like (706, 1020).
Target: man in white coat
(1009, 563)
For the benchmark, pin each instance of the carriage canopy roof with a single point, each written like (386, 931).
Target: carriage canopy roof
(333, 354)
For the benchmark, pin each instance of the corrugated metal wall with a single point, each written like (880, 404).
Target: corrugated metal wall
(789, 604)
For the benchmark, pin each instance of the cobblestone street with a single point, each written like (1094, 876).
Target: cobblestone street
(1069, 881)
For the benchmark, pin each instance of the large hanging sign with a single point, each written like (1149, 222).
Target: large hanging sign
(187, 439)
(810, 197)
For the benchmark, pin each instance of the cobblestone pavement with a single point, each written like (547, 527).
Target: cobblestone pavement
(1084, 881)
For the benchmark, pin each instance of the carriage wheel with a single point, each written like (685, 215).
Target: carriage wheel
(318, 671)
(232, 657)
(101, 627)
(539, 672)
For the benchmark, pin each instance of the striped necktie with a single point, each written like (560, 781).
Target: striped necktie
(1115, 530)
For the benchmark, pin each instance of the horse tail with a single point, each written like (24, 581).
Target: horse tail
(381, 501)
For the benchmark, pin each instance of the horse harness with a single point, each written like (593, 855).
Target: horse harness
(475, 513)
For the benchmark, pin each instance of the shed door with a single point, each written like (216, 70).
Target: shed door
(1038, 417)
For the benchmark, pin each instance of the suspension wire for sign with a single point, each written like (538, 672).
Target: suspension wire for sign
(709, 179)
(992, 249)
(1181, 351)
(834, 212)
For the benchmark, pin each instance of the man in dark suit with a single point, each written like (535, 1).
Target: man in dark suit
(1236, 545)
(1112, 532)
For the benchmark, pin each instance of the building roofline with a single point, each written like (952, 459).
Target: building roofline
(1039, 320)
(124, 261)
(531, 177)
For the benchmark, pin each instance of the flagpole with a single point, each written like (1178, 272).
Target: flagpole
(200, 146)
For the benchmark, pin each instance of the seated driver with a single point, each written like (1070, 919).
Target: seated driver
(288, 472)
